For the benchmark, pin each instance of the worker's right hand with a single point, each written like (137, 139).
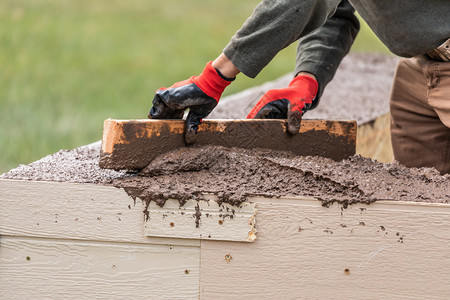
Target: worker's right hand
(289, 103)
(200, 94)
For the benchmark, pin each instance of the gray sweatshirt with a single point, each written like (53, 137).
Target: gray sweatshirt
(327, 28)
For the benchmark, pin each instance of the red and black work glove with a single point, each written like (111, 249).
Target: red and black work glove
(289, 103)
(200, 94)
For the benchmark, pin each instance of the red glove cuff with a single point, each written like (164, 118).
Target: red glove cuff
(211, 83)
(302, 90)
(308, 85)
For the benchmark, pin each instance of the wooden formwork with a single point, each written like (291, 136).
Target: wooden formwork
(374, 139)
(71, 241)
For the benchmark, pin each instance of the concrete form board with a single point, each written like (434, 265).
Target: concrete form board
(386, 250)
(84, 240)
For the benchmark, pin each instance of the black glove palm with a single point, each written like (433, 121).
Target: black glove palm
(200, 94)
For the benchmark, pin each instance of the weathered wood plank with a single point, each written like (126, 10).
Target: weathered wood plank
(202, 220)
(133, 144)
(393, 250)
(75, 233)
(374, 139)
(33, 268)
(73, 211)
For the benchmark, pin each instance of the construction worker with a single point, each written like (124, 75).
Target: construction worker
(416, 30)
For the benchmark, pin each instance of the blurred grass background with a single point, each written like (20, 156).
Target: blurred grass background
(65, 66)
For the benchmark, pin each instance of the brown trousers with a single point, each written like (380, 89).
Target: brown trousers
(420, 113)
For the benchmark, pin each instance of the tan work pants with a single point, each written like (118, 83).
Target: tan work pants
(420, 113)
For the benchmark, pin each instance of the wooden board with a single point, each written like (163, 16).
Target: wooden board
(385, 250)
(133, 144)
(36, 268)
(71, 240)
(74, 211)
(374, 139)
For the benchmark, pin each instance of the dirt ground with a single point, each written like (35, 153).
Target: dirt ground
(234, 174)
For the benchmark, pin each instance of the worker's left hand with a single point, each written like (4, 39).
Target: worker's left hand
(289, 103)
(200, 94)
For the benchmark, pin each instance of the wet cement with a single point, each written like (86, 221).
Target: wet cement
(235, 174)
(79, 165)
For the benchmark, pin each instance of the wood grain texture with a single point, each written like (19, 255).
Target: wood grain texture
(305, 251)
(133, 144)
(202, 220)
(85, 239)
(33, 268)
(73, 211)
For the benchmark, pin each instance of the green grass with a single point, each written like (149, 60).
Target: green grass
(65, 66)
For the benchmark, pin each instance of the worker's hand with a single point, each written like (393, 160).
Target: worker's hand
(289, 103)
(200, 94)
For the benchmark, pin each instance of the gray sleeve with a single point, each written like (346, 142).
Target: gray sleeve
(274, 25)
(321, 52)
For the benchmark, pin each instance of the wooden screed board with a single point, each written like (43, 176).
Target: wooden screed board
(133, 144)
